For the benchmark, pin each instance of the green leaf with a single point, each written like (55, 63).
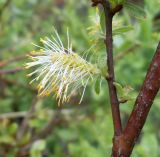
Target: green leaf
(135, 10)
(120, 30)
(25, 138)
(37, 148)
(36, 123)
(12, 129)
(124, 92)
(119, 88)
(6, 139)
(98, 85)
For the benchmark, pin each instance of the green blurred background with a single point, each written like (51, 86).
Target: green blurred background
(36, 127)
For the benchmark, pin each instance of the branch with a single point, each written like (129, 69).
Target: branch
(6, 62)
(10, 71)
(42, 134)
(48, 128)
(46, 131)
(144, 100)
(59, 116)
(124, 144)
(15, 83)
(110, 64)
(13, 115)
(24, 126)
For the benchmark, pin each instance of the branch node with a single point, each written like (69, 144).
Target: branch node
(117, 9)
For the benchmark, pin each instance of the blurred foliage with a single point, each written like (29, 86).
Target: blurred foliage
(78, 130)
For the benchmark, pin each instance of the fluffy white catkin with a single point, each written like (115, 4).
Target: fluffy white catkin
(59, 70)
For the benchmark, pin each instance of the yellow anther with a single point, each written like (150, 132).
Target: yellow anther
(42, 40)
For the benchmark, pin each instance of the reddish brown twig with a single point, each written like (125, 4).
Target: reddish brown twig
(110, 65)
(15, 83)
(15, 59)
(124, 144)
(10, 71)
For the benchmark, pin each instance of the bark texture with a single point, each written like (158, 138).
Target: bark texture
(123, 145)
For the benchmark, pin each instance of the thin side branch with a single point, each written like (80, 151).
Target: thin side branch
(16, 83)
(110, 64)
(13, 115)
(15, 59)
(10, 71)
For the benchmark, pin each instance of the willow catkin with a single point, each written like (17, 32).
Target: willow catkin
(59, 70)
